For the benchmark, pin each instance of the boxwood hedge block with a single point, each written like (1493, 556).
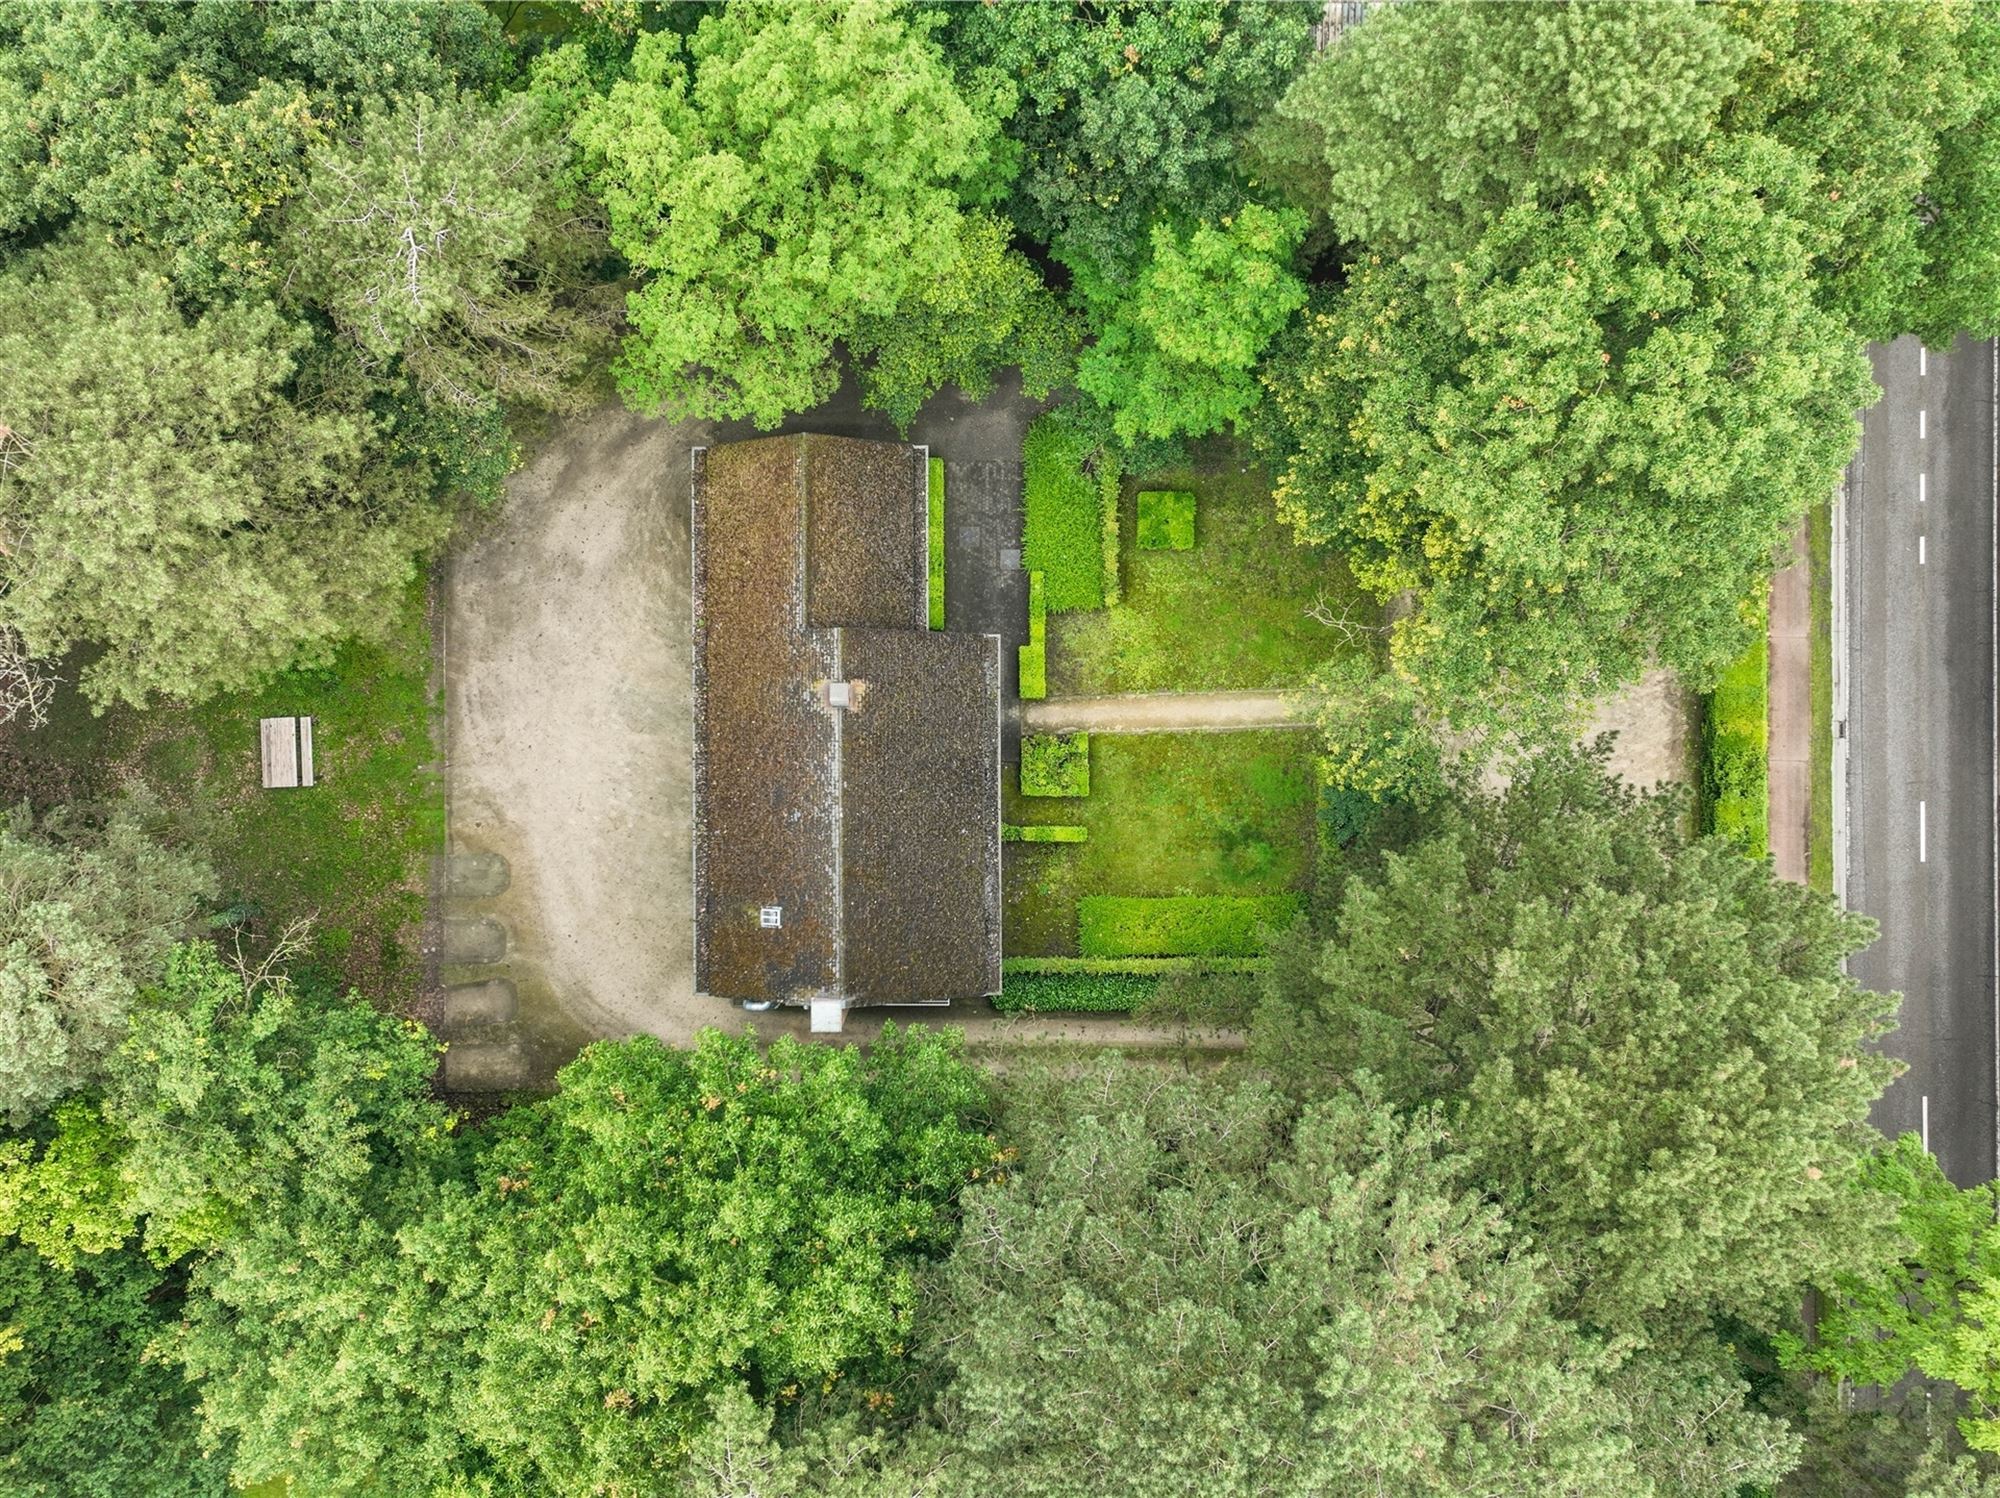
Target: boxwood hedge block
(1166, 520)
(1069, 495)
(1043, 832)
(1055, 764)
(937, 543)
(1100, 993)
(1179, 925)
(1034, 656)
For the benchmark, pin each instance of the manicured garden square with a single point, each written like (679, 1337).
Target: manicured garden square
(1166, 520)
(1243, 610)
(1069, 496)
(1167, 814)
(1055, 764)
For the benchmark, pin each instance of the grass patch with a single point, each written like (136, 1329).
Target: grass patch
(1179, 925)
(1055, 764)
(1168, 814)
(1735, 767)
(1034, 656)
(1819, 837)
(1230, 614)
(1043, 832)
(937, 543)
(350, 852)
(1069, 489)
(1165, 520)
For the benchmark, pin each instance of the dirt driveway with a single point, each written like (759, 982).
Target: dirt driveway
(567, 694)
(568, 708)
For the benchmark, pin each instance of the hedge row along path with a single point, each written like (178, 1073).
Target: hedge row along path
(1166, 712)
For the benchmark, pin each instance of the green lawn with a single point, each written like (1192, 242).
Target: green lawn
(1231, 613)
(1819, 844)
(1168, 814)
(351, 852)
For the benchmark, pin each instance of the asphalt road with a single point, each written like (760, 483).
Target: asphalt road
(1920, 698)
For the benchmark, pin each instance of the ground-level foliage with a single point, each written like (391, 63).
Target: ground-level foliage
(1735, 750)
(350, 854)
(1167, 814)
(1246, 607)
(1720, 1032)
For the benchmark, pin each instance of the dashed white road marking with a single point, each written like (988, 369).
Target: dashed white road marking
(1923, 833)
(1923, 424)
(1927, 1123)
(1923, 360)
(1920, 549)
(1923, 487)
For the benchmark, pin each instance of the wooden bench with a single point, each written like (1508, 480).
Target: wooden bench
(288, 752)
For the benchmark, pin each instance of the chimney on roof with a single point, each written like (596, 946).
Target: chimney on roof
(839, 694)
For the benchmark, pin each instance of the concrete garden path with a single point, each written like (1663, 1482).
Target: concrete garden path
(1166, 712)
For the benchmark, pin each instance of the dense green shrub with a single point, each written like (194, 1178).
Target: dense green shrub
(1055, 764)
(1034, 655)
(1070, 490)
(1147, 967)
(1166, 520)
(1043, 832)
(937, 543)
(1734, 753)
(1178, 925)
(1041, 993)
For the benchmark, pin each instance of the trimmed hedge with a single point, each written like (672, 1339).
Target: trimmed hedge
(1055, 764)
(1166, 520)
(1157, 967)
(937, 543)
(1043, 832)
(1099, 985)
(1735, 752)
(1069, 485)
(1178, 925)
(1034, 656)
(1093, 993)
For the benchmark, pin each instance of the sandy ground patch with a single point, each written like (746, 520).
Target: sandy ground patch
(1651, 718)
(568, 695)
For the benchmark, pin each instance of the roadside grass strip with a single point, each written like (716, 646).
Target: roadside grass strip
(1735, 768)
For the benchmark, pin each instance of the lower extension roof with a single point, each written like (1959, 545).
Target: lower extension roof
(871, 830)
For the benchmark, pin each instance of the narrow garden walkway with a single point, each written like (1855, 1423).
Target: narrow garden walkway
(1165, 712)
(1790, 752)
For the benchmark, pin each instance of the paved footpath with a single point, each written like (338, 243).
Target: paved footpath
(1790, 723)
(1166, 712)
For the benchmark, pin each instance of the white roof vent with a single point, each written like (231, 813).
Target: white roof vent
(827, 1016)
(771, 917)
(839, 694)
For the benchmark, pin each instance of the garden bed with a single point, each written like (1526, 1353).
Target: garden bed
(1242, 609)
(1227, 814)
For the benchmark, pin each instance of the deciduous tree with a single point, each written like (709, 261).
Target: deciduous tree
(987, 309)
(1586, 464)
(1129, 114)
(784, 174)
(432, 232)
(1175, 357)
(87, 915)
(1189, 1288)
(1644, 1042)
(172, 504)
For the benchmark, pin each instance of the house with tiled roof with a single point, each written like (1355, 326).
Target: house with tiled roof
(847, 756)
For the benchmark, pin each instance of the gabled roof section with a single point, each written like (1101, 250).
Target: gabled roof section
(873, 829)
(866, 561)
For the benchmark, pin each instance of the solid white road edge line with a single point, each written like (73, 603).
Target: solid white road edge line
(1923, 833)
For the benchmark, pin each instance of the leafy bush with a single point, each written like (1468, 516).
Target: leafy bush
(1034, 655)
(1166, 520)
(937, 543)
(1043, 832)
(1100, 993)
(1148, 967)
(1734, 753)
(1055, 764)
(1070, 488)
(1034, 672)
(1101, 985)
(1179, 925)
